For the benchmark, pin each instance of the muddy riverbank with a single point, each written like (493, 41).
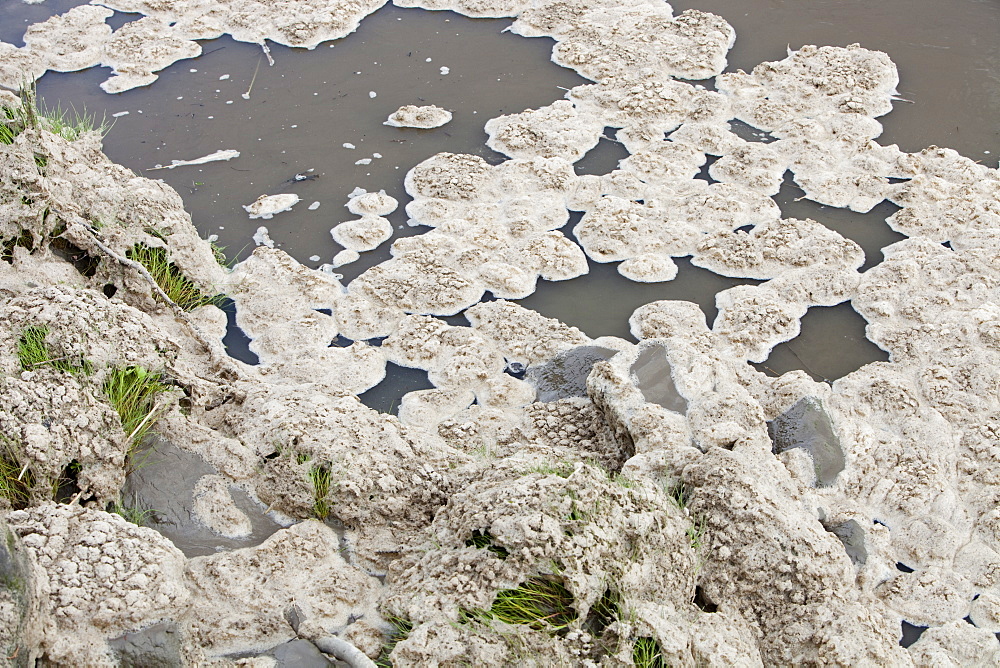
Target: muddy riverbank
(629, 483)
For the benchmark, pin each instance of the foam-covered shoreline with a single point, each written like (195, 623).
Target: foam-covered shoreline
(599, 493)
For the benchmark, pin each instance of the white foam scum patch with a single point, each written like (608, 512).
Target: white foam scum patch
(266, 206)
(424, 117)
(660, 488)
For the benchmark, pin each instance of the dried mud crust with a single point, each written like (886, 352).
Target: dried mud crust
(385, 480)
(589, 532)
(97, 576)
(62, 418)
(300, 566)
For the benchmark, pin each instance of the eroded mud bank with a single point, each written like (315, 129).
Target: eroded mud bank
(666, 496)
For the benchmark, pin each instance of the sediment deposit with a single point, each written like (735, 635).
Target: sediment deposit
(668, 493)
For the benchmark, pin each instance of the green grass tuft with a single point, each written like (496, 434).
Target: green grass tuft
(542, 604)
(7, 132)
(320, 478)
(132, 392)
(7, 246)
(561, 469)
(180, 289)
(219, 253)
(11, 124)
(696, 532)
(680, 495)
(69, 124)
(401, 628)
(16, 481)
(31, 348)
(646, 653)
(134, 513)
(34, 352)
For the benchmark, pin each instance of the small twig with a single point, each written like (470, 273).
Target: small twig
(78, 230)
(246, 95)
(806, 368)
(76, 221)
(23, 471)
(54, 359)
(156, 409)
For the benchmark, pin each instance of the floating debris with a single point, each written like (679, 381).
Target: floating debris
(227, 154)
(262, 238)
(267, 205)
(412, 116)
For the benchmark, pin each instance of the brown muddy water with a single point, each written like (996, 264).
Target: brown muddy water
(309, 104)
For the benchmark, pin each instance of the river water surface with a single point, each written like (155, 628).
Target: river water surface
(304, 109)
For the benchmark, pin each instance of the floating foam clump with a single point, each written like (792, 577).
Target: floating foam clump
(836, 162)
(140, 48)
(672, 221)
(948, 195)
(495, 230)
(297, 24)
(266, 206)
(277, 300)
(72, 41)
(416, 280)
(753, 320)
(473, 8)
(17, 63)
(558, 130)
(363, 203)
(669, 318)
(463, 363)
(80, 39)
(692, 45)
(345, 256)
(424, 117)
(665, 162)
(364, 234)
(776, 246)
(811, 82)
(821, 102)
(754, 166)
(523, 335)
(647, 105)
